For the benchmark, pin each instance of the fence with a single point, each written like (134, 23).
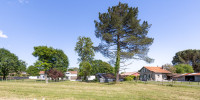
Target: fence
(14, 78)
(173, 83)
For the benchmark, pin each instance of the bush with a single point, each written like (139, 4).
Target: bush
(129, 78)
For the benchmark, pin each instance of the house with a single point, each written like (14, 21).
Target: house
(41, 77)
(71, 75)
(92, 77)
(154, 74)
(107, 77)
(187, 77)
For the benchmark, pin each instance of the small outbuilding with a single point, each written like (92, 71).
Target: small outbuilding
(187, 77)
(71, 75)
(107, 77)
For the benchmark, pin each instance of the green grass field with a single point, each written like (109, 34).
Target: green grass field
(66, 90)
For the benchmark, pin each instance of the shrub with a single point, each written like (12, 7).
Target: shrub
(129, 78)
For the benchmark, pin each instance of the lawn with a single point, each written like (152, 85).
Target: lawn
(66, 90)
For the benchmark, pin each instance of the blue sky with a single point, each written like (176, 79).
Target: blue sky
(58, 23)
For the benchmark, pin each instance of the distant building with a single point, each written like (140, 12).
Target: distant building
(41, 77)
(154, 74)
(71, 75)
(107, 77)
(187, 77)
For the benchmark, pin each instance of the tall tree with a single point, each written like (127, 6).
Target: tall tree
(183, 68)
(84, 69)
(99, 66)
(9, 63)
(84, 48)
(191, 57)
(170, 68)
(123, 35)
(49, 58)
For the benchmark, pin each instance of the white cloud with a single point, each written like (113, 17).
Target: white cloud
(3, 35)
(23, 1)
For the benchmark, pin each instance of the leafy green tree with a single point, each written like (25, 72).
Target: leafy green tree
(73, 69)
(129, 78)
(84, 48)
(170, 68)
(123, 35)
(99, 66)
(9, 63)
(61, 63)
(84, 70)
(21, 67)
(33, 71)
(183, 68)
(49, 58)
(191, 57)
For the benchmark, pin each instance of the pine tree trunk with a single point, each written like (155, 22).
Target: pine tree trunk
(117, 65)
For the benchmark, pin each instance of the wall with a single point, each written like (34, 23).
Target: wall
(33, 77)
(197, 78)
(145, 75)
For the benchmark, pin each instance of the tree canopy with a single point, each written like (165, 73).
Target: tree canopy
(99, 66)
(123, 35)
(191, 57)
(183, 68)
(9, 63)
(170, 68)
(49, 58)
(84, 70)
(84, 48)
(62, 61)
(33, 71)
(73, 69)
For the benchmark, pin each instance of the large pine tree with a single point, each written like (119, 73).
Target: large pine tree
(123, 35)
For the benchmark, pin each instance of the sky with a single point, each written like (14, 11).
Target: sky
(58, 23)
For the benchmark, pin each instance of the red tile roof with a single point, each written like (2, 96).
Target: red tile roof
(41, 72)
(130, 73)
(191, 74)
(157, 69)
(136, 74)
(73, 72)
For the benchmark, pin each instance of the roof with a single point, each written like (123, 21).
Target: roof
(41, 72)
(136, 74)
(191, 74)
(130, 73)
(108, 75)
(73, 72)
(157, 69)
